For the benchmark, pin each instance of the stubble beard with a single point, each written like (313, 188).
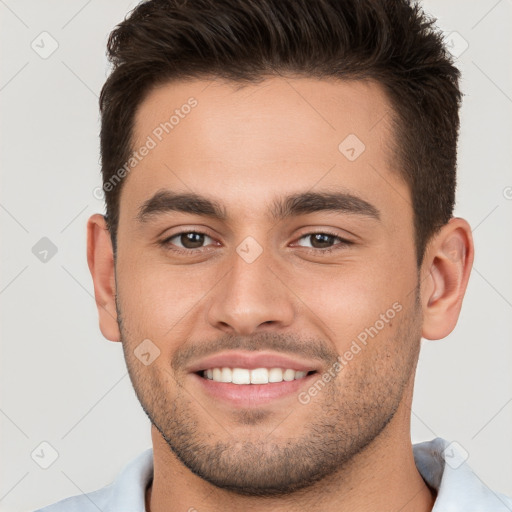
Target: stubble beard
(346, 416)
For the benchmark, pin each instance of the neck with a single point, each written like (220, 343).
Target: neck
(382, 477)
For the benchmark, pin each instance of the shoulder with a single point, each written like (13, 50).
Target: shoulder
(443, 465)
(89, 502)
(127, 492)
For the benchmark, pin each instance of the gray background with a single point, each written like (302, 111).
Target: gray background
(62, 383)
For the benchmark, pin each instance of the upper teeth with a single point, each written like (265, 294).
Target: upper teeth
(255, 376)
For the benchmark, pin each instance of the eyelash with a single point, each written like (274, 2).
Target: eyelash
(190, 252)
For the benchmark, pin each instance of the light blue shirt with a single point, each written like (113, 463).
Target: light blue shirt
(440, 464)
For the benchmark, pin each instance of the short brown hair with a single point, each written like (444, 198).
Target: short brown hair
(390, 41)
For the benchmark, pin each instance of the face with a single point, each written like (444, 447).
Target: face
(293, 250)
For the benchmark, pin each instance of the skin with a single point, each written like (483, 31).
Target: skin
(349, 447)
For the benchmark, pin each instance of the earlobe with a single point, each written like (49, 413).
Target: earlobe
(447, 266)
(100, 259)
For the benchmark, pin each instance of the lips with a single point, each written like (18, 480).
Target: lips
(251, 395)
(253, 360)
(249, 392)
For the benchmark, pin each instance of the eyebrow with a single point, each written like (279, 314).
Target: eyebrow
(281, 208)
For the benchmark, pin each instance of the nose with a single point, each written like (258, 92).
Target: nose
(250, 296)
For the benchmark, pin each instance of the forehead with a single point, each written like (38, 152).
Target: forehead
(241, 143)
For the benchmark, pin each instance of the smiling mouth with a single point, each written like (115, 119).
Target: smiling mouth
(246, 376)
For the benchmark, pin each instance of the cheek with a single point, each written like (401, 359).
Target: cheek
(157, 298)
(352, 296)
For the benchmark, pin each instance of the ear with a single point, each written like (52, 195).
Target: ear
(444, 277)
(100, 258)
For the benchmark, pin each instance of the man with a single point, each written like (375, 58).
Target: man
(280, 179)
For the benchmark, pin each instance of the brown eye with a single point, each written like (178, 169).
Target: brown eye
(188, 240)
(192, 240)
(323, 240)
